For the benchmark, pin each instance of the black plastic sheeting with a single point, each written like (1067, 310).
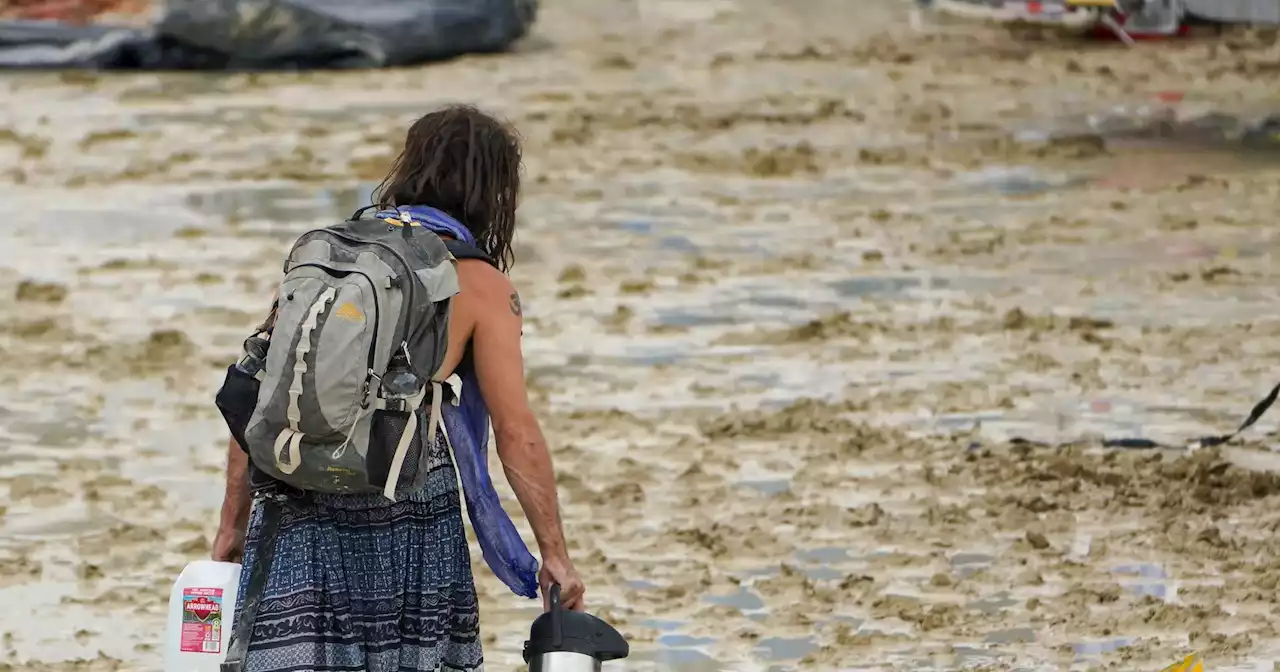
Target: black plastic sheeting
(274, 35)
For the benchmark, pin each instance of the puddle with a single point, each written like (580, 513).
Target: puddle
(681, 660)
(966, 564)
(1102, 646)
(825, 574)
(891, 286)
(744, 600)
(683, 171)
(827, 555)
(684, 641)
(782, 648)
(663, 625)
(1012, 181)
(282, 205)
(693, 318)
(1147, 579)
(767, 487)
(993, 604)
(1013, 636)
(970, 658)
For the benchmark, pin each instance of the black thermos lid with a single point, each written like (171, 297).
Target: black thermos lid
(575, 632)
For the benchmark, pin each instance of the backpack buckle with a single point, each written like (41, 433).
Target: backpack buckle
(364, 390)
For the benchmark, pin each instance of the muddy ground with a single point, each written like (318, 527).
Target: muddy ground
(795, 276)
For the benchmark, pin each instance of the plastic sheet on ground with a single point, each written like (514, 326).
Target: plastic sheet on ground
(1235, 11)
(258, 34)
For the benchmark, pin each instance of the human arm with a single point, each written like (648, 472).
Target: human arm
(521, 446)
(228, 545)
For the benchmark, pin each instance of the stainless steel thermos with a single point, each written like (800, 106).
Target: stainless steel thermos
(571, 641)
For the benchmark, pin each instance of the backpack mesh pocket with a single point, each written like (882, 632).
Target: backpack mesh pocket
(385, 433)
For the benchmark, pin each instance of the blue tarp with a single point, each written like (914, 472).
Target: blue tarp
(274, 35)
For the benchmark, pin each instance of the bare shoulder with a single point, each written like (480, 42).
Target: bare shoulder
(489, 287)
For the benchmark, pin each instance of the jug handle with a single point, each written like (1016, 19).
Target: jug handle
(557, 635)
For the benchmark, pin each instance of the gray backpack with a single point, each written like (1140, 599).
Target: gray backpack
(362, 328)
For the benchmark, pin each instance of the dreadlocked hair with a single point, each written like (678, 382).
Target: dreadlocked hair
(466, 163)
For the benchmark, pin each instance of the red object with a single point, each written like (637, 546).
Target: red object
(1102, 32)
(1170, 96)
(1035, 7)
(69, 11)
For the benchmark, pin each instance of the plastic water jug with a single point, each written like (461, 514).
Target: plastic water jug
(201, 607)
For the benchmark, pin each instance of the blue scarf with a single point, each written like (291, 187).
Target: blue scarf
(467, 423)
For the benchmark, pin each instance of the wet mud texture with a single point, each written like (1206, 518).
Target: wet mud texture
(793, 277)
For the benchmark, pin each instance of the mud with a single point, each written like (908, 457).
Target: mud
(794, 279)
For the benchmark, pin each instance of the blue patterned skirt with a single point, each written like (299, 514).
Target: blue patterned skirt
(360, 584)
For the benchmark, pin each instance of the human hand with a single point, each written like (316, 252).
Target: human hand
(228, 545)
(560, 570)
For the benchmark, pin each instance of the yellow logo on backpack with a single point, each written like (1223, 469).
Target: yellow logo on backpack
(349, 312)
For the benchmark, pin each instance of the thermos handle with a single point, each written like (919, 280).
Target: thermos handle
(557, 635)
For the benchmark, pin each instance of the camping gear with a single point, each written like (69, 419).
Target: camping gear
(201, 607)
(257, 34)
(1126, 20)
(571, 641)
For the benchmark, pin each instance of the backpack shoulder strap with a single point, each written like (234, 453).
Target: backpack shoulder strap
(462, 250)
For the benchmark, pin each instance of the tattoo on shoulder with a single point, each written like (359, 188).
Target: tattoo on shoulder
(516, 308)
